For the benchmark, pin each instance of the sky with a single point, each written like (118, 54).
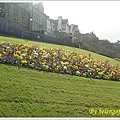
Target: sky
(100, 17)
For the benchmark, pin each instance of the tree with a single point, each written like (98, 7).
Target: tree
(93, 37)
(64, 36)
(76, 37)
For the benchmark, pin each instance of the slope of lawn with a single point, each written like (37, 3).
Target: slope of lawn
(30, 93)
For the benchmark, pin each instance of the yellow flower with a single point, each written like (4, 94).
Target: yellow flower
(112, 73)
(97, 69)
(18, 52)
(1, 42)
(75, 67)
(58, 67)
(16, 55)
(20, 57)
(0, 55)
(101, 73)
(46, 66)
(63, 58)
(30, 57)
(32, 64)
(24, 61)
(26, 45)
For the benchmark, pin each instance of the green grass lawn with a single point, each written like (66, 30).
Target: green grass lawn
(30, 93)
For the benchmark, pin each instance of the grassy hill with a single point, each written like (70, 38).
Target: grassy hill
(31, 93)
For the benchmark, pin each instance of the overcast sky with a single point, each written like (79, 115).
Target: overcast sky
(101, 17)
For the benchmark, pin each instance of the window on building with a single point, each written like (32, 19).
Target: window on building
(23, 16)
(63, 29)
(41, 26)
(2, 10)
(7, 9)
(33, 27)
(15, 13)
(64, 25)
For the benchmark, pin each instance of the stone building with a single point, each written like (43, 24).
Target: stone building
(72, 27)
(2, 10)
(14, 18)
(38, 18)
(50, 25)
(61, 25)
(17, 13)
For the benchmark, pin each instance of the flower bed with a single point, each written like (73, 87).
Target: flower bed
(57, 60)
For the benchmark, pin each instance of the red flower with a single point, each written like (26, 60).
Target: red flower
(70, 69)
(27, 58)
(80, 70)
